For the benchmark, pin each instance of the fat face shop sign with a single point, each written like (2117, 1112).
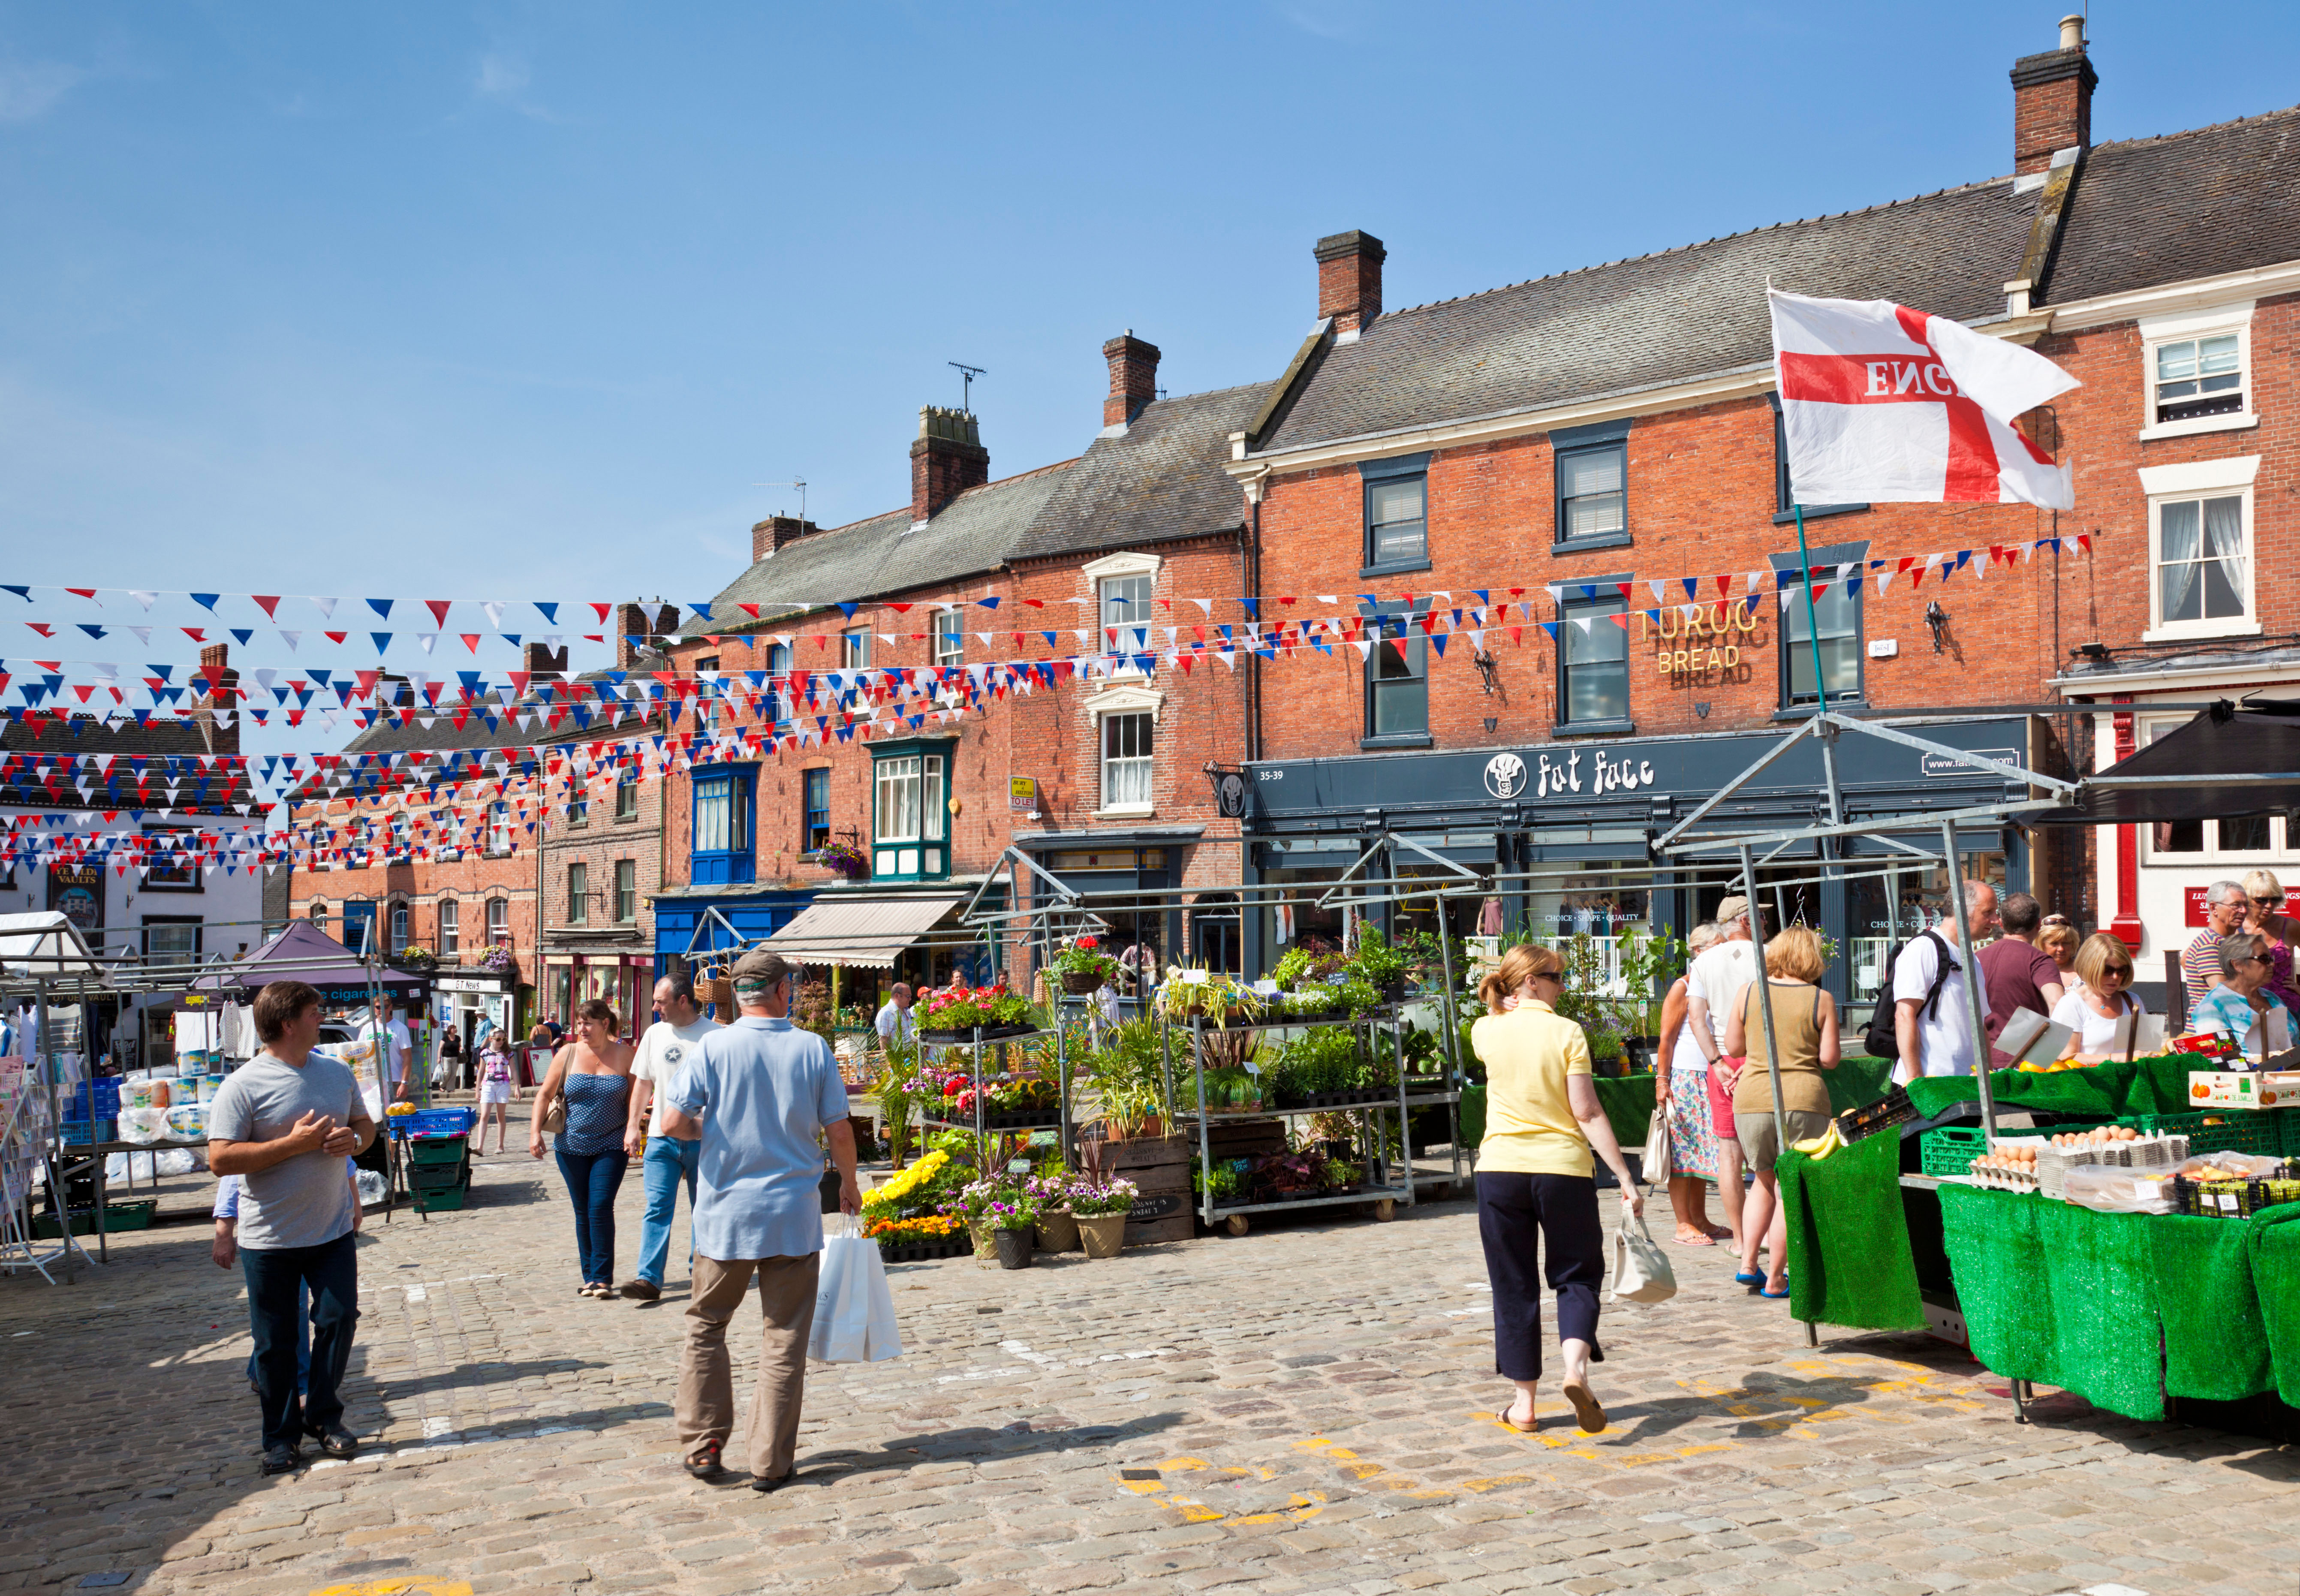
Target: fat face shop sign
(1556, 775)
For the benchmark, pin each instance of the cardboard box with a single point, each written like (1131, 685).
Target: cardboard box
(2244, 1088)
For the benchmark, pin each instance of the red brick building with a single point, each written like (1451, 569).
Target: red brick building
(882, 655)
(1503, 496)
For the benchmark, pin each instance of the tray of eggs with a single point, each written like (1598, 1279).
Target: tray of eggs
(2010, 1164)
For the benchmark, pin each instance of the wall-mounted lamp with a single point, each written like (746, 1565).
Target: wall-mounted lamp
(1937, 618)
(1487, 669)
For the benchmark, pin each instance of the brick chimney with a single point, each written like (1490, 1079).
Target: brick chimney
(770, 534)
(1133, 378)
(544, 663)
(653, 626)
(947, 459)
(2051, 100)
(222, 694)
(1349, 279)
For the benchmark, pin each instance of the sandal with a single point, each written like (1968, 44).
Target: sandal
(1747, 1277)
(704, 1464)
(1586, 1409)
(1502, 1418)
(1697, 1239)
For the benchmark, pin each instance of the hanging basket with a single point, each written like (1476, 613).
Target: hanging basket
(1081, 985)
(712, 986)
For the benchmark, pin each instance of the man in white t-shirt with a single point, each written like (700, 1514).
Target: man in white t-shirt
(398, 1047)
(1932, 1015)
(667, 1046)
(1711, 983)
(896, 1023)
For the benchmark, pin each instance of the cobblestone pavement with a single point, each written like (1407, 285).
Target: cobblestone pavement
(1306, 1408)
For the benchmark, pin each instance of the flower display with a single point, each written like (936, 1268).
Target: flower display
(969, 1009)
(1089, 1200)
(1083, 955)
(924, 1227)
(843, 858)
(907, 1189)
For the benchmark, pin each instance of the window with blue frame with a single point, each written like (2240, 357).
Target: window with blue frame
(815, 790)
(720, 848)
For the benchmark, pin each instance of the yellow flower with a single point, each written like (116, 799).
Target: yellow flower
(892, 1194)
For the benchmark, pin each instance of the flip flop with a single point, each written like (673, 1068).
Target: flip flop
(1776, 1296)
(1586, 1410)
(1507, 1423)
(1743, 1277)
(1695, 1240)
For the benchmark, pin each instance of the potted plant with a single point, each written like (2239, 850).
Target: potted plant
(842, 859)
(1011, 1218)
(955, 1014)
(1100, 1207)
(1058, 1230)
(499, 960)
(1378, 964)
(415, 955)
(1083, 967)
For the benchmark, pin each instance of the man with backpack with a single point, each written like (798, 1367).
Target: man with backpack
(1932, 1014)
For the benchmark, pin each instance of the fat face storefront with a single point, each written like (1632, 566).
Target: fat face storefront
(1560, 835)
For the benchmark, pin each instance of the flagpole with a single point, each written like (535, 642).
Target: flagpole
(1812, 614)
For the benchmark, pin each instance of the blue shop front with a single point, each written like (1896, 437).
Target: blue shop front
(1560, 836)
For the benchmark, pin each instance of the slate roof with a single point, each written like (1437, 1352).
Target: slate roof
(1162, 479)
(1652, 320)
(882, 555)
(2198, 204)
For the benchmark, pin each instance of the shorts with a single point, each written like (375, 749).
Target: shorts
(492, 1093)
(1756, 1138)
(1721, 1098)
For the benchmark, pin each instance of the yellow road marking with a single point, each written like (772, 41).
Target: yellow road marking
(420, 1584)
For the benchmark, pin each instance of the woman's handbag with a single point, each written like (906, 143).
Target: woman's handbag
(554, 1118)
(1641, 1271)
(1658, 1153)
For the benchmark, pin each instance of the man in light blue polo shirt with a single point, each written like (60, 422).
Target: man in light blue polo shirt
(758, 1095)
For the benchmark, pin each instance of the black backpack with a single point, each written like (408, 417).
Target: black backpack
(1883, 1039)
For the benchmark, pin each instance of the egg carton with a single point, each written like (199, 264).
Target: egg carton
(2145, 1152)
(2002, 1180)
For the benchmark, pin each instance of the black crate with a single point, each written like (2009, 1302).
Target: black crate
(437, 1177)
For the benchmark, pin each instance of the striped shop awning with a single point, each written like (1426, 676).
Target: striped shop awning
(870, 931)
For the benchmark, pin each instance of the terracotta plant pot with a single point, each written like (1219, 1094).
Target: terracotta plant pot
(1014, 1248)
(1058, 1230)
(1081, 986)
(986, 1241)
(1104, 1235)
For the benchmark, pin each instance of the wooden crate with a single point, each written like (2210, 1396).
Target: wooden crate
(1160, 1166)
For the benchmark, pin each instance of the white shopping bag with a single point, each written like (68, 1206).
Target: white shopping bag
(853, 1311)
(1641, 1271)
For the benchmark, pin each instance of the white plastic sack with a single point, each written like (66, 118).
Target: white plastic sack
(144, 1124)
(372, 1187)
(853, 1311)
(1641, 1269)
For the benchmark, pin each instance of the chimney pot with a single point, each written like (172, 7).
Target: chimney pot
(1349, 279)
(544, 663)
(947, 459)
(1133, 378)
(2051, 100)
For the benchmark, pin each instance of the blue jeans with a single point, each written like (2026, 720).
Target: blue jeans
(667, 1162)
(303, 1342)
(274, 1277)
(593, 1178)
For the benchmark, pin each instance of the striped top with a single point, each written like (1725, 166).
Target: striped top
(598, 1107)
(2200, 964)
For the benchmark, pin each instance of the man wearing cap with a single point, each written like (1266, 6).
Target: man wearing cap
(757, 1095)
(1711, 985)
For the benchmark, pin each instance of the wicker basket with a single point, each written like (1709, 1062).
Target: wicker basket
(712, 986)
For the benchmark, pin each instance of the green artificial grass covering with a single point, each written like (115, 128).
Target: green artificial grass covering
(2105, 1091)
(1629, 1099)
(2059, 1294)
(1473, 1115)
(1848, 1241)
(2272, 1238)
(2215, 1338)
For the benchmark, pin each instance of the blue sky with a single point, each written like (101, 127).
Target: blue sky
(525, 301)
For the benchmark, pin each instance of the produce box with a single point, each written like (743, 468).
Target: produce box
(432, 1122)
(440, 1199)
(2217, 1131)
(2244, 1088)
(117, 1216)
(439, 1149)
(1950, 1150)
(433, 1177)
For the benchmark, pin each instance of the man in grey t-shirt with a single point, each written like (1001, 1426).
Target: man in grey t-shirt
(284, 1123)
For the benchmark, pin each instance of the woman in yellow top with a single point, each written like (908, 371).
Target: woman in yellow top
(1805, 1021)
(1535, 1174)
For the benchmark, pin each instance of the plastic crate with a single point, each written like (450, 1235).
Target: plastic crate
(432, 1177)
(440, 1199)
(117, 1216)
(432, 1122)
(2288, 1120)
(1891, 1109)
(439, 1149)
(80, 1132)
(2218, 1131)
(1950, 1150)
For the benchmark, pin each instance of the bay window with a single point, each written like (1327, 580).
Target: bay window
(909, 817)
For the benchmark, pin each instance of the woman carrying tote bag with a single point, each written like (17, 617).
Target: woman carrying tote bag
(1536, 1183)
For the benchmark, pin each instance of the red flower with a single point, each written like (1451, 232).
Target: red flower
(1088, 942)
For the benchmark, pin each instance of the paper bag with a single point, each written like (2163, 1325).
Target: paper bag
(853, 1309)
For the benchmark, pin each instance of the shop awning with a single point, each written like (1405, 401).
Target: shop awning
(46, 942)
(870, 931)
(2227, 762)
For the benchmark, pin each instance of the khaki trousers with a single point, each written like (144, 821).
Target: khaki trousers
(706, 1386)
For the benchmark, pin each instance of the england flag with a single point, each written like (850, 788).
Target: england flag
(1881, 403)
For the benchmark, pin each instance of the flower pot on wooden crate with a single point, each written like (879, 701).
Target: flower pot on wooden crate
(1104, 1235)
(1013, 1247)
(1058, 1230)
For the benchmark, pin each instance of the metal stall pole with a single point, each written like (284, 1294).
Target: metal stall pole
(58, 1192)
(1972, 992)
(1205, 1130)
(1772, 1046)
(1451, 1018)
